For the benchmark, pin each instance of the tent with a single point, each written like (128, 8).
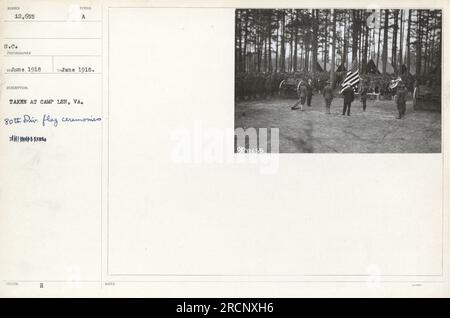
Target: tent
(320, 66)
(389, 68)
(371, 68)
(403, 69)
(341, 68)
(412, 69)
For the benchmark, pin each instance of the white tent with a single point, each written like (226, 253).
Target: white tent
(322, 65)
(389, 68)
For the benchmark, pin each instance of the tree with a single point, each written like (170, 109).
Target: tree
(400, 55)
(325, 42)
(378, 46)
(333, 50)
(408, 43)
(419, 42)
(314, 39)
(283, 48)
(385, 40)
(366, 47)
(299, 36)
(355, 33)
(394, 40)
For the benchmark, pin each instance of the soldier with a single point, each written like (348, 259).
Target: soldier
(363, 93)
(268, 86)
(328, 96)
(309, 92)
(349, 96)
(253, 86)
(260, 87)
(275, 82)
(401, 100)
(247, 84)
(302, 92)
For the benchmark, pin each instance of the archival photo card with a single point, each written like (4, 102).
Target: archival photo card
(224, 148)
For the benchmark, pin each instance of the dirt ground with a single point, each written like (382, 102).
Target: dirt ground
(374, 131)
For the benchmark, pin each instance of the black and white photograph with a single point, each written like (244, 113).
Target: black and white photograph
(339, 80)
(224, 156)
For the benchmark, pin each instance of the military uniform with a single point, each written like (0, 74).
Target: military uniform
(401, 101)
(309, 93)
(302, 93)
(276, 80)
(254, 86)
(260, 85)
(268, 86)
(363, 94)
(349, 96)
(328, 96)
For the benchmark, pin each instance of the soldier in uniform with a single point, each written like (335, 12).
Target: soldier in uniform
(363, 93)
(260, 87)
(401, 100)
(268, 86)
(349, 96)
(309, 92)
(302, 92)
(248, 86)
(328, 96)
(253, 85)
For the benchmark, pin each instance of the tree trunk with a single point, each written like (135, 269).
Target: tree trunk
(245, 45)
(378, 47)
(265, 64)
(238, 38)
(333, 50)
(325, 58)
(400, 55)
(394, 41)
(419, 43)
(314, 40)
(345, 48)
(291, 46)
(433, 36)
(366, 48)
(306, 66)
(385, 39)
(295, 43)
(427, 31)
(361, 39)
(283, 48)
(355, 34)
(269, 39)
(258, 51)
(276, 49)
(408, 43)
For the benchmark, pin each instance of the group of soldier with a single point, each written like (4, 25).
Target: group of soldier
(305, 92)
(258, 85)
(266, 85)
(261, 85)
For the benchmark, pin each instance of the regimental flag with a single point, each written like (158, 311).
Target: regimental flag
(393, 84)
(352, 78)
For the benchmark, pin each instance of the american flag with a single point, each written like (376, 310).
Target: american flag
(352, 78)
